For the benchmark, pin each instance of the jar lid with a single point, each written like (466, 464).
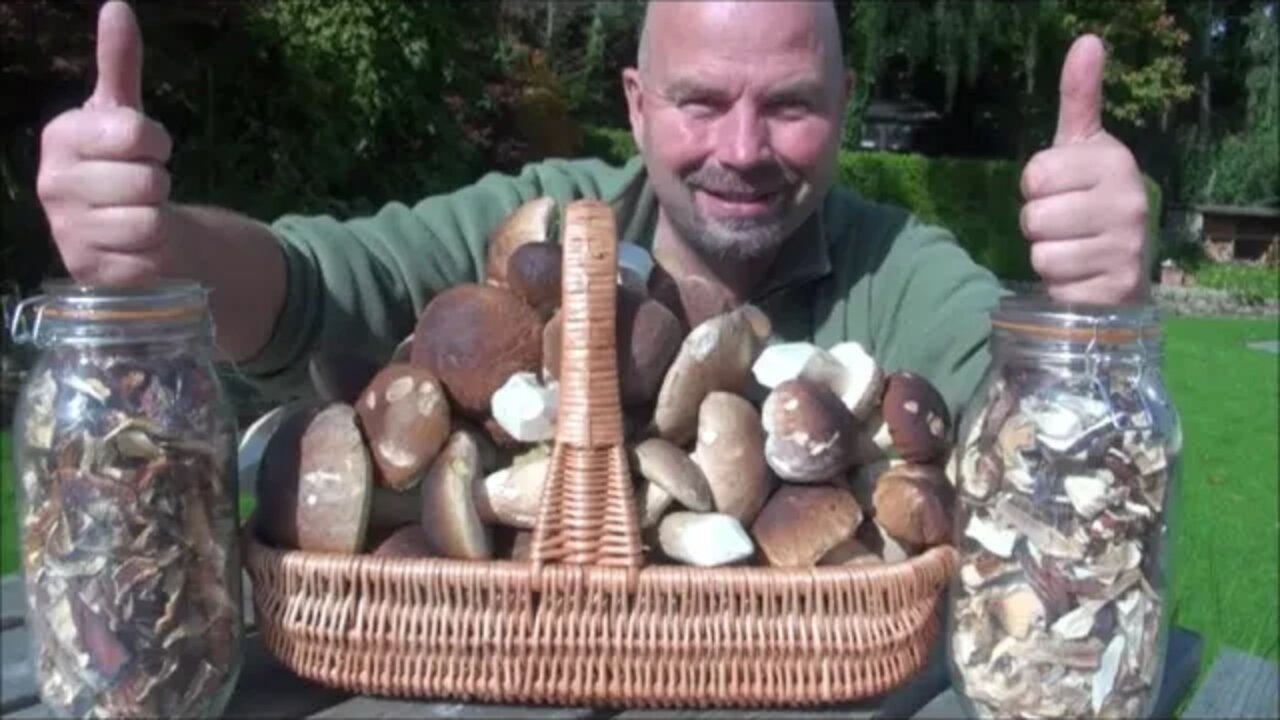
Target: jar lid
(67, 308)
(1040, 317)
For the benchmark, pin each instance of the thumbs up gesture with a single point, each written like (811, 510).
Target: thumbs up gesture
(1086, 206)
(102, 179)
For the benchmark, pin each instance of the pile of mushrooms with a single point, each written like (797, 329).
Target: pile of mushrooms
(744, 450)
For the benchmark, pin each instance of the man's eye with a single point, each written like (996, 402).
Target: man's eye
(792, 108)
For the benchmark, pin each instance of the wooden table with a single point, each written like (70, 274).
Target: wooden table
(268, 689)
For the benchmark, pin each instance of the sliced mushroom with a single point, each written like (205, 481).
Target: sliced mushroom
(704, 539)
(917, 416)
(913, 504)
(526, 409)
(316, 485)
(801, 524)
(808, 432)
(531, 222)
(340, 376)
(473, 337)
(405, 417)
(406, 541)
(533, 275)
(669, 467)
(512, 496)
(730, 452)
(716, 356)
(449, 518)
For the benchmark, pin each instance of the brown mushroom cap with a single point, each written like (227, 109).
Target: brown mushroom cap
(802, 523)
(671, 468)
(406, 541)
(885, 546)
(405, 417)
(276, 485)
(810, 432)
(531, 222)
(648, 338)
(917, 417)
(913, 504)
(335, 483)
(730, 452)
(403, 351)
(693, 299)
(533, 275)
(850, 552)
(716, 356)
(704, 539)
(449, 518)
(340, 376)
(473, 337)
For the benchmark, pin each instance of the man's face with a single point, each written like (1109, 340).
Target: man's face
(738, 119)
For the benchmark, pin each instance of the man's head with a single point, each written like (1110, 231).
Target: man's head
(737, 107)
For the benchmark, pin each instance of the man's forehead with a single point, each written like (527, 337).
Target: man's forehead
(750, 31)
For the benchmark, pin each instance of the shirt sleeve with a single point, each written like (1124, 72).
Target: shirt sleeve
(361, 283)
(933, 305)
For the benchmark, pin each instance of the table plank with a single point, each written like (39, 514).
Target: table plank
(1182, 660)
(1238, 686)
(17, 676)
(13, 601)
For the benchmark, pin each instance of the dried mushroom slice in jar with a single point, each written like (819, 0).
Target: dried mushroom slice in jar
(1057, 608)
(129, 531)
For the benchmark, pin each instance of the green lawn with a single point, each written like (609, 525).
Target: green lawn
(1226, 525)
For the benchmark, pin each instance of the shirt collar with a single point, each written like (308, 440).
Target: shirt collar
(804, 258)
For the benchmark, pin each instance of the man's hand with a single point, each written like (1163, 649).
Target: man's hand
(102, 177)
(1086, 208)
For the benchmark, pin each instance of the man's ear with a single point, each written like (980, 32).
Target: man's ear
(634, 89)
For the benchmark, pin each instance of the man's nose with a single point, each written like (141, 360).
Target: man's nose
(742, 139)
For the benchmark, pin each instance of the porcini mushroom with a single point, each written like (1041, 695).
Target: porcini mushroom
(730, 452)
(913, 504)
(850, 552)
(693, 299)
(449, 518)
(669, 467)
(846, 370)
(808, 432)
(531, 222)
(917, 417)
(405, 417)
(406, 541)
(525, 408)
(802, 523)
(316, 482)
(716, 356)
(533, 275)
(473, 338)
(704, 539)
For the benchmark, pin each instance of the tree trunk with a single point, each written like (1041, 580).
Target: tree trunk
(1204, 130)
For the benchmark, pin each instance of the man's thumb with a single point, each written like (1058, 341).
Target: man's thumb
(1080, 91)
(119, 58)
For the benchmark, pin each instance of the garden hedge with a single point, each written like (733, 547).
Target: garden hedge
(978, 200)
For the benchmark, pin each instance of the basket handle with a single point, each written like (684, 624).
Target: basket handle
(588, 510)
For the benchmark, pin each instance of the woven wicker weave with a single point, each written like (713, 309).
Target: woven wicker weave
(584, 622)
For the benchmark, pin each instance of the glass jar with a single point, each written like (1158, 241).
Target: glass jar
(124, 445)
(1066, 467)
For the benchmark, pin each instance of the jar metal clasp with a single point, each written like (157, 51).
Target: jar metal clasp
(32, 305)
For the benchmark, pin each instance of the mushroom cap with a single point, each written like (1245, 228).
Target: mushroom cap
(405, 417)
(653, 502)
(666, 465)
(802, 523)
(533, 275)
(340, 376)
(913, 503)
(449, 518)
(512, 495)
(730, 452)
(335, 483)
(403, 351)
(693, 299)
(810, 432)
(277, 482)
(917, 416)
(704, 539)
(851, 552)
(473, 337)
(531, 222)
(716, 356)
(406, 541)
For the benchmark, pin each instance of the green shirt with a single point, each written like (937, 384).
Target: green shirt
(857, 270)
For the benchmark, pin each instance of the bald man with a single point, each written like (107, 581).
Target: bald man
(736, 109)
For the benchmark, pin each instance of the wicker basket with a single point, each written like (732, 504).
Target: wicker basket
(585, 622)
